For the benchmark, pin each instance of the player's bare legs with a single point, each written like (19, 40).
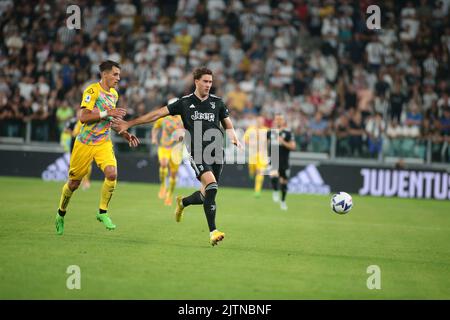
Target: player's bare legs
(109, 185)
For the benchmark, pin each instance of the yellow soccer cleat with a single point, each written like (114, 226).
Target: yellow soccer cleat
(216, 236)
(168, 200)
(162, 193)
(179, 209)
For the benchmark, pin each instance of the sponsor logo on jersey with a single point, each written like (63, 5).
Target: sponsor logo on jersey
(203, 116)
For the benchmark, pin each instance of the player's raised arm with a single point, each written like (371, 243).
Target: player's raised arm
(155, 130)
(228, 126)
(121, 126)
(88, 116)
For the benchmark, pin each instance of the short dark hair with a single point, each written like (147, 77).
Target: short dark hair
(199, 72)
(108, 65)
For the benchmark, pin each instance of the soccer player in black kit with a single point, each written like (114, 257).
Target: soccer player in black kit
(283, 138)
(201, 113)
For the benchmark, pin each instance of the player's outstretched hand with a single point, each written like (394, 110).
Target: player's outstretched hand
(133, 141)
(117, 113)
(237, 143)
(119, 125)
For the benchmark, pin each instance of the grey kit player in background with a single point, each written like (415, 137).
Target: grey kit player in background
(280, 137)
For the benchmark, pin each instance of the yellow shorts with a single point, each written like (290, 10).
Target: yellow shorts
(83, 155)
(258, 162)
(173, 155)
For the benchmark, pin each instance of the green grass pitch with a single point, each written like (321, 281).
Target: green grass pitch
(308, 252)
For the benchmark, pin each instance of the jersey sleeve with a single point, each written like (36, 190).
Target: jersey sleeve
(77, 128)
(89, 97)
(223, 113)
(158, 123)
(289, 136)
(175, 108)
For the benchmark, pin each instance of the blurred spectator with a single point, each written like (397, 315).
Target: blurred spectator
(295, 57)
(126, 11)
(445, 122)
(356, 131)
(374, 51)
(394, 133)
(375, 130)
(236, 98)
(445, 133)
(63, 114)
(429, 97)
(319, 132)
(444, 101)
(184, 40)
(397, 100)
(342, 130)
(414, 117)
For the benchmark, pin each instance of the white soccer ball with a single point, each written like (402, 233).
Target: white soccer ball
(341, 202)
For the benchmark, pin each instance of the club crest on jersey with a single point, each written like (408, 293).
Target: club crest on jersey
(203, 116)
(213, 105)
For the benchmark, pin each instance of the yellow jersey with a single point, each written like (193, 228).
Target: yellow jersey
(168, 125)
(256, 137)
(97, 98)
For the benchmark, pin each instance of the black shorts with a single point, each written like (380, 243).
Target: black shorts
(284, 172)
(201, 168)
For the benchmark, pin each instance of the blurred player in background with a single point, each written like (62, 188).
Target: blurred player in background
(281, 137)
(93, 143)
(170, 152)
(255, 138)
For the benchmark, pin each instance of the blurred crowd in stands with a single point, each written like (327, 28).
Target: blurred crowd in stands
(315, 61)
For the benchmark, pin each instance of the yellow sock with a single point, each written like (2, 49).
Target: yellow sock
(107, 192)
(172, 183)
(65, 197)
(163, 175)
(259, 182)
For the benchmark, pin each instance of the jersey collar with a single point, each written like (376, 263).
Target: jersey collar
(198, 99)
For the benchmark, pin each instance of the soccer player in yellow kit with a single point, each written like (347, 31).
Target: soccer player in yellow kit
(93, 143)
(170, 153)
(255, 138)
